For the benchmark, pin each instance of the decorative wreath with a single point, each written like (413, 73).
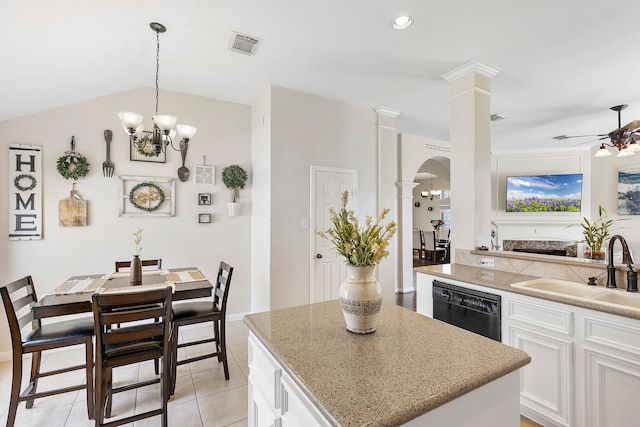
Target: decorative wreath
(16, 182)
(72, 165)
(144, 146)
(148, 201)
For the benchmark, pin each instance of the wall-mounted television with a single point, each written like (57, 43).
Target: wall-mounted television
(544, 193)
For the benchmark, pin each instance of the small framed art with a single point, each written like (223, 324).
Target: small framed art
(204, 218)
(204, 198)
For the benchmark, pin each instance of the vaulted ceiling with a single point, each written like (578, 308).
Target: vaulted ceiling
(562, 63)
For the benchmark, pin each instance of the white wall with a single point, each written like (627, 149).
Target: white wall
(224, 137)
(310, 130)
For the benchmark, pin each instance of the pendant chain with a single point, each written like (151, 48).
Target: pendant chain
(157, 67)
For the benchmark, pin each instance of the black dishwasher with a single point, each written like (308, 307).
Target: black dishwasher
(469, 309)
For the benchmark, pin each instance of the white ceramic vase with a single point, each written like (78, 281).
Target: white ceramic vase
(361, 297)
(233, 208)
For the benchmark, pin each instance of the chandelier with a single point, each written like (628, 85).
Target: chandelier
(163, 124)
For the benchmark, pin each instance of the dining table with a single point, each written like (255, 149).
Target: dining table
(73, 296)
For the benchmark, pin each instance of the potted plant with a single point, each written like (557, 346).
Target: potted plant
(362, 246)
(234, 178)
(595, 233)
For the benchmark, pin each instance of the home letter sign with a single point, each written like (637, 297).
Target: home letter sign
(25, 195)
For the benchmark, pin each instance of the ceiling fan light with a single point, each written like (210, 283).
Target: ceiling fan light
(165, 122)
(625, 152)
(602, 152)
(633, 146)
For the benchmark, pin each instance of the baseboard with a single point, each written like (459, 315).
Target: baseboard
(405, 290)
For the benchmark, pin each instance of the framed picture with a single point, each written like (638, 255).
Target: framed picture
(629, 191)
(204, 198)
(147, 196)
(143, 152)
(204, 174)
(204, 218)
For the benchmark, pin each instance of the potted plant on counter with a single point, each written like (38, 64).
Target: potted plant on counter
(595, 233)
(234, 178)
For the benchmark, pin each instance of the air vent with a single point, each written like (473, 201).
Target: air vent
(244, 44)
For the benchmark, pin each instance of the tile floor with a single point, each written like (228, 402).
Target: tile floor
(202, 398)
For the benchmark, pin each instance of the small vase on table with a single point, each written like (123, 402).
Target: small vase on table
(135, 273)
(361, 298)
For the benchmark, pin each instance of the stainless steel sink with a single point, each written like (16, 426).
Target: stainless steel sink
(582, 291)
(559, 287)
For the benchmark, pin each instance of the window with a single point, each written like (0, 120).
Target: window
(445, 215)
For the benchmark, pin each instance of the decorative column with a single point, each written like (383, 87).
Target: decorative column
(387, 194)
(470, 155)
(405, 237)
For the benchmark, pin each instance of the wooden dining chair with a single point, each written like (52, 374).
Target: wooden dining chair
(193, 312)
(431, 248)
(145, 263)
(139, 338)
(29, 335)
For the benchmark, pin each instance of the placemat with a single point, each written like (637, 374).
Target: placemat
(138, 288)
(185, 276)
(127, 274)
(88, 285)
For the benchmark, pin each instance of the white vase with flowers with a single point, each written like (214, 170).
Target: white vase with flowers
(362, 247)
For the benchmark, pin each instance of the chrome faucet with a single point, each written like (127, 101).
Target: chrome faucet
(632, 276)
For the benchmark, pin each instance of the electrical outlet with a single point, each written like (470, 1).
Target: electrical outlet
(486, 262)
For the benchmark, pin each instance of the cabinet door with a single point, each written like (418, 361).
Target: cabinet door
(260, 413)
(546, 383)
(297, 409)
(613, 388)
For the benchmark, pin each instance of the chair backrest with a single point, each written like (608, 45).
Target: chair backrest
(430, 240)
(145, 263)
(422, 243)
(136, 313)
(18, 297)
(416, 239)
(223, 282)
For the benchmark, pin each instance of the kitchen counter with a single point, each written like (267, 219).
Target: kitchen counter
(410, 366)
(502, 280)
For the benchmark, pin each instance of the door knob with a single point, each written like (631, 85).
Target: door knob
(318, 256)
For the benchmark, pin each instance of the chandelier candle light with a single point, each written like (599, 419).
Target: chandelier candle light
(362, 248)
(163, 124)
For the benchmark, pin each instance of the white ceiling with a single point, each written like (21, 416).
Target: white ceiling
(562, 63)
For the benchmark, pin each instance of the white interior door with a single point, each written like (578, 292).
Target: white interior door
(327, 269)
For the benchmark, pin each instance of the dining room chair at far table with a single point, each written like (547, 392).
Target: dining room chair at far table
(139, 338)
(29, 335)
(193, 312)
(157, 263)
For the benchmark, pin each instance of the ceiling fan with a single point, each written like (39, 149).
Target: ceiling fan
(623, 138)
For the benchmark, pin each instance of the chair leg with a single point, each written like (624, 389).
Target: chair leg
(156, 362)
(36, 359)
(89, 361)
(174, 358)
(100, 396)
(166, 386)
(16, 381)
(108, 386)
(223, 349)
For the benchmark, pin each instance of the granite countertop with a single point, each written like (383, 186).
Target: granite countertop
(502, 280)
(411, 365)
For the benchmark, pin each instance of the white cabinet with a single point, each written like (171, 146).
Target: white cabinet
(545, 333)
(585, 364)
(611, 349)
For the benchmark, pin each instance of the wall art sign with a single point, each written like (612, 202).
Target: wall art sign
(25, 192)
(143, 151)
(147, 196)
(204, 174)
(629, 191)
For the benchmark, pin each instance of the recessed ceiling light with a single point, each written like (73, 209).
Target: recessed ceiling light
(402, 22)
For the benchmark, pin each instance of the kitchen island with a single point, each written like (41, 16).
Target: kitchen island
(307, 369)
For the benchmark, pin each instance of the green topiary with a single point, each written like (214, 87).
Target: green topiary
(234, 178)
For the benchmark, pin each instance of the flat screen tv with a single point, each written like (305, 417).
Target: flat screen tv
(544, 193)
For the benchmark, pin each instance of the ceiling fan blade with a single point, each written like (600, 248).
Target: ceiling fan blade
(592, 140)
(563, 137)
(633, 126)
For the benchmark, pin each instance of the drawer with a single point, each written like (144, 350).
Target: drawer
(542, 315)
(619, 335)
(264, 372)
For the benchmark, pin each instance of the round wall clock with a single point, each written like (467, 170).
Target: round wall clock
(146, 196)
